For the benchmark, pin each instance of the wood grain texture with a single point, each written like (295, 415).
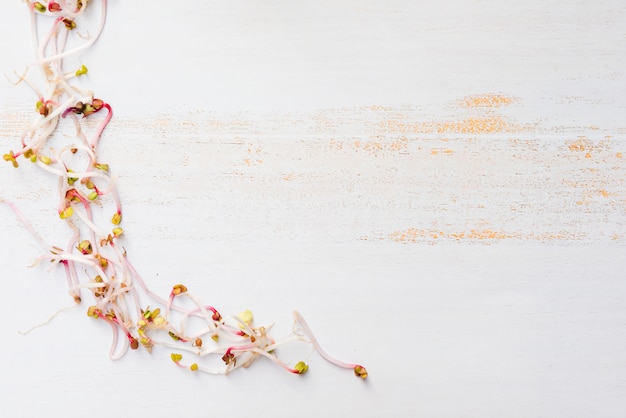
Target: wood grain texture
(439, 187)
(469, 172)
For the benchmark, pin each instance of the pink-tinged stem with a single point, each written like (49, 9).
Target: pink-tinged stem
(70, 267)
(27, 224)
(142, 285)
(275, 360)
(53, 31)
(134, 344)
(358, 369)
(87, 44)
(80, 134)
(69, 273)
(103, 124)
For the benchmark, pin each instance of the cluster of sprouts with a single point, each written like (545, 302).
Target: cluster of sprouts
(180, 323)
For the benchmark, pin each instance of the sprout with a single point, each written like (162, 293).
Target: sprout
(70, 180)
(39, 7)
(116, 219)
(66, 213)
(134, 344)
(70, 25)
(29, 154)
(360, 371)
(178, 289)
(85, 247)
(155, 314)
(10, 157)
(94, 312)
(54, 6)
(92, 258)
(301, 367)
(82, 70)
(246, 318)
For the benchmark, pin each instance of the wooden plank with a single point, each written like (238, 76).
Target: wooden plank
(441, 189)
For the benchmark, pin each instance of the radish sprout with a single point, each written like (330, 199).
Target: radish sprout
(182, 322)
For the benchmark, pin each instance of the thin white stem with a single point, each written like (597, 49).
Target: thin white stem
(44, 245)
(47, 321)
(86, 45)
(318, 348)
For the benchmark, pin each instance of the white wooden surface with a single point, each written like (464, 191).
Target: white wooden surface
(438, 187)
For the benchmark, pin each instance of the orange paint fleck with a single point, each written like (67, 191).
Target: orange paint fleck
(399, 145)
(479, 125)
(488, 125)
(618, 155)
(373, 146)
(580, 145)
(417, 235)
(488, 234)
(436, 151)
(487, 100)
(588, 155)
(250, 162)
(376, 146)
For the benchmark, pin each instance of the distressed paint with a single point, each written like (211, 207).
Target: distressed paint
(439, 186)
(476, 174)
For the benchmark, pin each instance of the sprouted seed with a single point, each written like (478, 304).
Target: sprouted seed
(114, 285)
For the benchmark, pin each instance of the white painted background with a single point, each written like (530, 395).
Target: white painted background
(438, 187)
